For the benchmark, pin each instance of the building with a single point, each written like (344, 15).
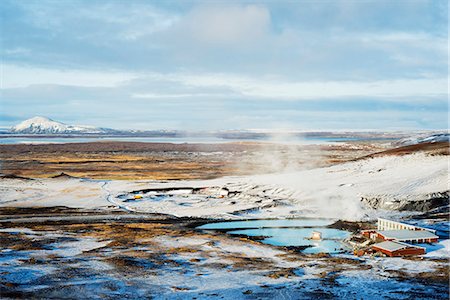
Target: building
(384, 224)
(393, 248)
(396, 235)
(371, 234)
(396, 231)
(410, 236)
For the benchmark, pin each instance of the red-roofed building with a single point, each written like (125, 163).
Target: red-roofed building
(392, 248)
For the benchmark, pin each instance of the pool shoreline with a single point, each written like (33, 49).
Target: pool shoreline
(278, 233)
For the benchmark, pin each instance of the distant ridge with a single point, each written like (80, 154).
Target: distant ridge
(434, 138)
(44, 125)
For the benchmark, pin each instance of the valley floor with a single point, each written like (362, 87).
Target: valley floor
(164, 258)
(68, 237)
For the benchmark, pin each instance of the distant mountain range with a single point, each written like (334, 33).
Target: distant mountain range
(434, 138)
(43, 125)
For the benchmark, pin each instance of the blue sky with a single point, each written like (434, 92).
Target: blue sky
(199, 65)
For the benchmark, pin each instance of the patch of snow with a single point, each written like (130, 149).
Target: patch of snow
(333, 192)
(405, 265)
(68, 249)
(18, 230)
(439, 250)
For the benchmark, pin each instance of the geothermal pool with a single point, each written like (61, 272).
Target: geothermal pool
(291, 232)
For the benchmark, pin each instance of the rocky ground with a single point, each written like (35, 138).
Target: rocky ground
(164, 258)
(72, 238)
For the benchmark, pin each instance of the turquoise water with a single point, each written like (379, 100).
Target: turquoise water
(330, 242)
(292, 232)
(267, 224)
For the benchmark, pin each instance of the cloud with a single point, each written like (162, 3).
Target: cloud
(165, 96)
(242, 64)
(218, 85)
(177, 109)
(262, 88)
(314, 41)
(14, 76)
(225, 25)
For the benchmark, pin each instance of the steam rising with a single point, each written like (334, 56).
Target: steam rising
(283, 152)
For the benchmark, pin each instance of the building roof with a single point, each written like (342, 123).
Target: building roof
(407, 234)
(407, 225)
(393, 246)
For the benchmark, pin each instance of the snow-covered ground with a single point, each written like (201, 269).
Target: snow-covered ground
(332, 192)
(202, 265)
(68, 192)
(438, 250)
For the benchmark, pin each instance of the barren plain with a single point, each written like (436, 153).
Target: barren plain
(72, 227)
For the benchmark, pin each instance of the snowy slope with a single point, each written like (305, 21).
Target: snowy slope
(353, 191)
(434, 138)
(43, 125)
(341, 191)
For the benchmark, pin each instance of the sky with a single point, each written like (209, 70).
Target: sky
(218, 65)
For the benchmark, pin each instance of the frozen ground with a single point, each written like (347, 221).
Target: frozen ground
(133, 261)
(353, 191)
(138, 260)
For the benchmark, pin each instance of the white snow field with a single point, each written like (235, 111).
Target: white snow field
(207, 272)
(332, 192)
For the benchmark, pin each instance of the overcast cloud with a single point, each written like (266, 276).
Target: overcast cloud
(226, 65)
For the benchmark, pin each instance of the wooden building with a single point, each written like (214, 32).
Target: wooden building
(410, 236)
(385, 224)
(393, 248)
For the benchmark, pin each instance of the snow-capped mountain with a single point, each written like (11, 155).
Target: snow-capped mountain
(43, 125)
(434, 138)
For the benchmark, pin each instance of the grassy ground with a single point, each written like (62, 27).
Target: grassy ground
(131, 161)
